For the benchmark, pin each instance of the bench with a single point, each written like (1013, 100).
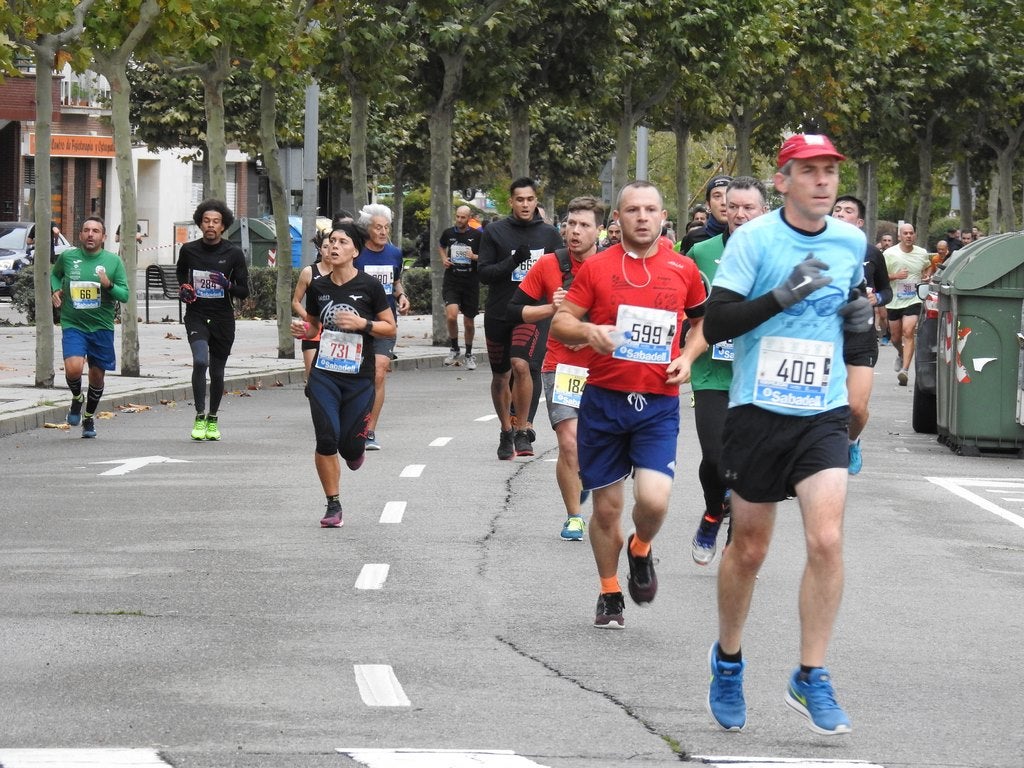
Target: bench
(163, 279)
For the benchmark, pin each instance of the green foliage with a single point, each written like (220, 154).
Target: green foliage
(416, 283)
(262, 301)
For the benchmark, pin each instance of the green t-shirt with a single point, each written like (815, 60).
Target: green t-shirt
(706, 371)
(85, 305)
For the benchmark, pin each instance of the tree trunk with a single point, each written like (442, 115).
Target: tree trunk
(213, 77)
(1004, 163)
(279, 201)
(867, 190)
(519, 130)
(743, 130)
(993, 202)
(926, 186)
(439, 121)
(45, 52)
(966, 193)
(120, 93)
(623, 148)
(357, 143)
(398, 204)
(681, 129)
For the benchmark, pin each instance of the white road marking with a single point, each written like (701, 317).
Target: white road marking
(373, 576)
(492, 417)
(440, 442)
(80, 758)
(379, 687)
(959, 487)
(722, 761)
(393, 512)
(413, 470)
(437, 758)
(130, 465)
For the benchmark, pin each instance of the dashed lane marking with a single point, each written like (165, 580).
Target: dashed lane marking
(373, 576)
(721, 761)
(81, 758)
(378, 686)
(440, 442)
(413, 470)
(393, 512)
(437, 758)
(959, 486)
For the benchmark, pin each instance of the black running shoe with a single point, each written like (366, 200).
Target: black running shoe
(506, 445)
(643, 582)
(332, 517)
(88, 427)
(522, 443)
(75, 411)
(609, 611)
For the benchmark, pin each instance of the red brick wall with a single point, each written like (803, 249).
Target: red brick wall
(18, 98)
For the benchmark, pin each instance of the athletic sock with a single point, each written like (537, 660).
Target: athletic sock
(639, 548)
(732, 658)
(93, 401)
(75, 385)
(610, 585)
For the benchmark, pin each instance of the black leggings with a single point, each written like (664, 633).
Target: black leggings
(710, 407)
(201, 362)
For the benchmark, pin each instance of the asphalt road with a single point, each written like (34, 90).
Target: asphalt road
(190, 608)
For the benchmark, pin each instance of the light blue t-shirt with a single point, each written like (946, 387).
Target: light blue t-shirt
(793, 362)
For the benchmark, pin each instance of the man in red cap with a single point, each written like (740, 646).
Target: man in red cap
(788, 283)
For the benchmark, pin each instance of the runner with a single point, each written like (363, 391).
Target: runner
(307, 274)
(787, 288)
(711, 371)
(636, 296)
(92, 280)
(211, 272)
(348, 309)
(459, 247)
(564, 370)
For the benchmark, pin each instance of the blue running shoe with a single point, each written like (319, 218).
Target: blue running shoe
(856, 460)
(815, 700)
(725, 695)
(573, 528)
(75, 411)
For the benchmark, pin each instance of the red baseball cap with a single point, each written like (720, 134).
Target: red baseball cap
(801, 146)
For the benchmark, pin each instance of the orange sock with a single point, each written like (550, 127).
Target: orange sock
(639, 548)
(610, 585)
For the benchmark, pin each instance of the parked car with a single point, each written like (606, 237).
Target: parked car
(926, 346)
(16, 253)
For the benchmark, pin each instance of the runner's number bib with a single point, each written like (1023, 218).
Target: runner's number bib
(85, 294)
(569, 383)
(460, 254)
(204, 285)
(340, 352)
(519, 273)
(723, 351)
(793, 373)
(385, 273)
(650, 334)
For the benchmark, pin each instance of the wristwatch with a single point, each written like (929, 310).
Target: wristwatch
(369, 326)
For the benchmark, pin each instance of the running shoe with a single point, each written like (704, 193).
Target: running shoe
(610, 606)
(573, 528)
(643, 582)
(522, 444)
(470, 362)
(506, 445)
(452, 358)
(901, 377)
(199, 427)
(75, 411)
(356, 463)
(371, 441)
(725, 700)
(332, 517)
(814, 699)
(856, 460)
(88, 427)
(705, 541)
(212, 428)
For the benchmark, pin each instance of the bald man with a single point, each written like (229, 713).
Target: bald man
(460, 290)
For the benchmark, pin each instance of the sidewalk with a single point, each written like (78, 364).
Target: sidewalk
(165, 363)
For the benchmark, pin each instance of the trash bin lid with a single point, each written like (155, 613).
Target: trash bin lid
(984, 263)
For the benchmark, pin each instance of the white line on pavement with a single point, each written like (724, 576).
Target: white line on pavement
(379, 687)
(440, 442)
(437, 758)
(393, 512)
(80, 758)
(722, 761)
(958, 488)
(373, 576)
(492, 417)
(413, 470)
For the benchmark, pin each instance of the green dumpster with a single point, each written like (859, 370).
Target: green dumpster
(979, 363)
(256, 237)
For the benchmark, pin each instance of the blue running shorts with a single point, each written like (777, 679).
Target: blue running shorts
(98, 346)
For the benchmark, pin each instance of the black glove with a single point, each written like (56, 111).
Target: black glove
(521, 255)
(219, 278)
(804, 280)
(187, 293)
(858, 314)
